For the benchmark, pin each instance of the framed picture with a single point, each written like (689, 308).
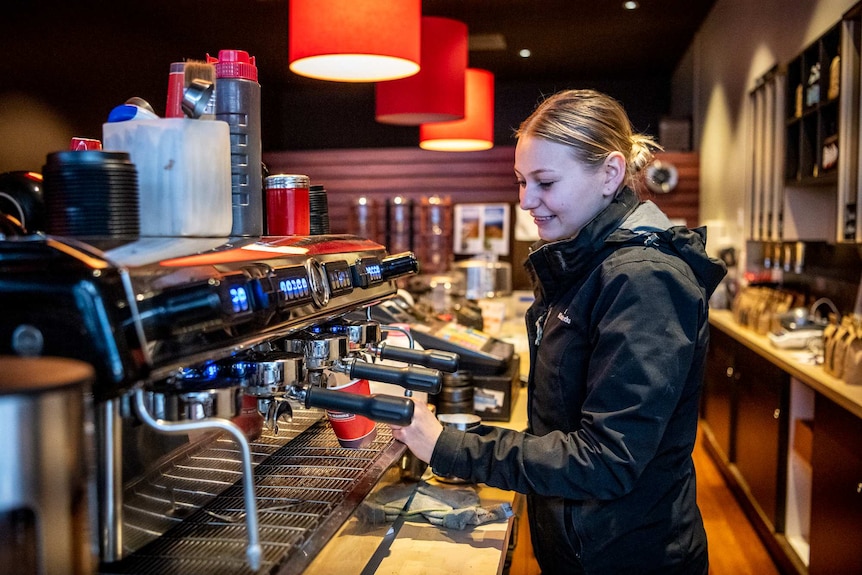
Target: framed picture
(482, 228)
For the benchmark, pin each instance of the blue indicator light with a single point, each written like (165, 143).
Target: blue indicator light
(239, 299)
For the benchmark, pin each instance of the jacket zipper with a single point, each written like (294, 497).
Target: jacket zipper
(540, 326)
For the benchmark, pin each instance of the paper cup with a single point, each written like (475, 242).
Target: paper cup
(353, 431)
(249, 419)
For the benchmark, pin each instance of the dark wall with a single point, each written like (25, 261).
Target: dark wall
(304, 117)
(80, 59)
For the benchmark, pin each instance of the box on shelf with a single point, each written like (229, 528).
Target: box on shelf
(493, 395)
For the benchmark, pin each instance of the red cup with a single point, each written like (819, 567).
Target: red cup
(288, 212)
(249, 419)
(353, 431)
(83, 144)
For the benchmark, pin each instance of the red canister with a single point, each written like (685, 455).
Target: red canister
(287, 205)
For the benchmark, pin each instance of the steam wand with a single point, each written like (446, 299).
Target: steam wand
(253, 550)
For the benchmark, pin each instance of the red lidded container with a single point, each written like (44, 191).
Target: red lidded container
(287, 205)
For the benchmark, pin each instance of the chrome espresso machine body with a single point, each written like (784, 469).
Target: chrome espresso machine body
(214, 361)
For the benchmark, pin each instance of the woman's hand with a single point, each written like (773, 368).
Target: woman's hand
(422, 433)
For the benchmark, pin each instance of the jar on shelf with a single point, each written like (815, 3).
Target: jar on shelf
(434, 241)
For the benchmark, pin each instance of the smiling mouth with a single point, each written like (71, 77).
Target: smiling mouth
(542, 219)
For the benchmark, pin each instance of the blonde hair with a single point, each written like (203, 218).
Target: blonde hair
(594, 125)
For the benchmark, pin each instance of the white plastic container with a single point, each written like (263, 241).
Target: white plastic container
(183, 174)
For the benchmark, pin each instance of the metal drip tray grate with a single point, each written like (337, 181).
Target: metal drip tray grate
(306, 486)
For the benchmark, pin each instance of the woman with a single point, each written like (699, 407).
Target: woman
(618, 336)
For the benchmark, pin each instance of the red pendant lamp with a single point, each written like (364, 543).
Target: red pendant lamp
(354, 40)
(436, 93)
(476, 131)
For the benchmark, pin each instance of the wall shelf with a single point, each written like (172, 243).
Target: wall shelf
(812, 106)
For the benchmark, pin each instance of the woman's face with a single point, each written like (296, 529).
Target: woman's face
(561, 193)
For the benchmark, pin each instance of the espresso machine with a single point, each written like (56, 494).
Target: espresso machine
(215, 361)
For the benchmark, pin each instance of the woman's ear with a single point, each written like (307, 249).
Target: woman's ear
(615, 173)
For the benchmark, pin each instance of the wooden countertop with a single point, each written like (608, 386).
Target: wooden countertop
(793, 362)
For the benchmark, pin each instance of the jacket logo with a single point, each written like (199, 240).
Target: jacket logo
(564, 318)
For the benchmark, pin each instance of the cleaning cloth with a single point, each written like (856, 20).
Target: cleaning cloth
(454, 508)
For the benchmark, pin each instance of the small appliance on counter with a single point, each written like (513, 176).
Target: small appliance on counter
(493, 365)
(802, 327)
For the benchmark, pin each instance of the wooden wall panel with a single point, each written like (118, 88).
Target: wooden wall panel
(381, 174)
(475, 177)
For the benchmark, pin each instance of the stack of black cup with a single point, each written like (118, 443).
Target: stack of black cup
(91, 194)
(318, 206)
(456, 394)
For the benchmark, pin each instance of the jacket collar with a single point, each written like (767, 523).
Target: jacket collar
(556, 266)
(556, 263)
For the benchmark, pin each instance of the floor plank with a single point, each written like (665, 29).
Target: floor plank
(734, 547)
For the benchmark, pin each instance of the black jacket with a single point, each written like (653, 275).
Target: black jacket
(618, 337)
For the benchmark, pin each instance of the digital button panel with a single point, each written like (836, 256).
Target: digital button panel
(339, 276)
(292, 286)
(236, 296)
(367, 272)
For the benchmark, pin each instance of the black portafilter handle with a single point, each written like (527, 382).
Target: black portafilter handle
(382, 408)
(399, 265)
(409, 377)
(433, 358)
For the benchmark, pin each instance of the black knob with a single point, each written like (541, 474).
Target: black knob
(412, 378)
(433, 358)
(399, 265)
(383, 408)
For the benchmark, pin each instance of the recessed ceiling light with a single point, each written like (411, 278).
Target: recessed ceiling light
(631, 5)
(524, 53)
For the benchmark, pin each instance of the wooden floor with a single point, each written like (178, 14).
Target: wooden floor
(734, 547)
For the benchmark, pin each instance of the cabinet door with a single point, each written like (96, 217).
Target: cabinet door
(761, 431)
(718, 384)
(836, 501)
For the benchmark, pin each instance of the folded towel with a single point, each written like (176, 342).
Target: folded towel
(454, 508)
(386, 504)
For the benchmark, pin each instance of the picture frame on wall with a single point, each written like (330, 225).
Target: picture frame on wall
(482, 228)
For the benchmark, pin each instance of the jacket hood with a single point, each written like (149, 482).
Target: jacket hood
(626, 220)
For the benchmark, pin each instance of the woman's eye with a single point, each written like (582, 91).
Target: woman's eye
(545, 185)
(520, 183)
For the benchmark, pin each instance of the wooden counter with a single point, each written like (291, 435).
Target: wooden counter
(796, 363)
(784, 434)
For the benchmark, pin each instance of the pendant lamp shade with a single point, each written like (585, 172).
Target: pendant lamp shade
(354, 40)
(436, 93)
(476, 131)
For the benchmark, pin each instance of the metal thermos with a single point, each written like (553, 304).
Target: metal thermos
(237, 97)
(45, 480)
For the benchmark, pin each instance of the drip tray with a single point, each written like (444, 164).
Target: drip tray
(306, 484)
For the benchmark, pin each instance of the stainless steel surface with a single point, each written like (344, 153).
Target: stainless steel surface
(272, 373)
(158, 319)
(195, 405)
(46, 442)
(462, 421)
(306, 487)
(109, 469)
(210, 423)
(485, 279)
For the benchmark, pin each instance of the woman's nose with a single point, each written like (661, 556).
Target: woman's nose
(526, 199)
